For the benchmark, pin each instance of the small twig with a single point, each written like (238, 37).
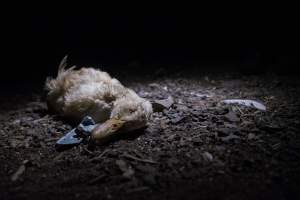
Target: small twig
(276, 146)
(19, 172)
(139, 159)
(97, 179)
(239, 110)
(51, 139)
(59, 156)
(139, 189)
(87, 151)
(100, 156)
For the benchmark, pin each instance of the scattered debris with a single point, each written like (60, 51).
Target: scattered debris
(128, 172)
(160, 105)
(276, 146)
(207, 156)
(232, 117)
(139, 189)
(15, 143)
(20, 171)
(265, 123)
(201, 96)
(222, 132)
(154, 85)
(99, 157)
(59, 156)
(193, 141)
(229, 137)
(97, 179)
(139, 159)
(177, 119)
(251, 136)
(245, 102)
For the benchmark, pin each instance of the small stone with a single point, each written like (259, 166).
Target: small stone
(154, 85)
(181, 107)
(16, 122)
(15, 143)
(176, 120)
(232, 117)
(230, 137)
(222, 132)
(128, 172)
(197, 141)
(207, 156)
(251, 136)
(160, 105)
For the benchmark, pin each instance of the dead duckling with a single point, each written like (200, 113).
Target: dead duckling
(75, 94)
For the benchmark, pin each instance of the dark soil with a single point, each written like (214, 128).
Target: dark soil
(197, 149)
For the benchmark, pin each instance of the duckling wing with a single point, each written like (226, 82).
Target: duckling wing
(87, 99)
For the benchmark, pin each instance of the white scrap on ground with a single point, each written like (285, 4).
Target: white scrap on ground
(246, 102)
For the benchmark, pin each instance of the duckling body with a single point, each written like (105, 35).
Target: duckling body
(75, 94)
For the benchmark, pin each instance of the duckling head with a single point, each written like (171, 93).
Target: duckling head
(129, 113)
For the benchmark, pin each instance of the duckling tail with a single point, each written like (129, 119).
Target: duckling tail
(62, 65)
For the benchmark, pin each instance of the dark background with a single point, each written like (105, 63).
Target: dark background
(34, 43)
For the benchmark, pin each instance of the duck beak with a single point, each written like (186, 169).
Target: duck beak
(103, 132)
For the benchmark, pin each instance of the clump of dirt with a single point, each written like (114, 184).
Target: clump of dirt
(196, 148)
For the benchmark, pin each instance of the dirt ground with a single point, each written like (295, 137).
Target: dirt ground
(197, 149)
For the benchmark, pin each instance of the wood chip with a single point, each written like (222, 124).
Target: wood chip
(19, 172)
(99, 157)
